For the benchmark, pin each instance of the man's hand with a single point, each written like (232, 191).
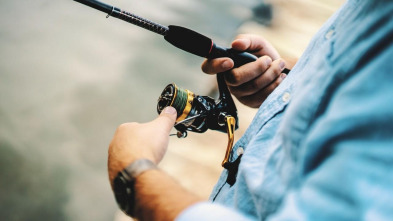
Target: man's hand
(157, 195)
(252, 82)
(134, 141)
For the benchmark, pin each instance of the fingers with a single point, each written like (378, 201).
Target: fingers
(254, 81)
(251, 43)
(134, 141)
(255, 100)
(167, 119)
(253, 92)
(256, 45)
(248, 72)
(218, 65)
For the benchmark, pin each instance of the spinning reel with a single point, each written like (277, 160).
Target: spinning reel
(195, 113)
(199, 113)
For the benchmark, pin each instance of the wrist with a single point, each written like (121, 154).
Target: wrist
(160, 197)
(127, 161)
(124, 158)
(124, 184)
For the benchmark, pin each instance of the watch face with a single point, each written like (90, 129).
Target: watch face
(124, 194)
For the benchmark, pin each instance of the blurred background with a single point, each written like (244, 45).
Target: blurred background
(69, 77)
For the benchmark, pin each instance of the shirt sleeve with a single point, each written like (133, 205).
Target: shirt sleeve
(208, 211)
(347, 158)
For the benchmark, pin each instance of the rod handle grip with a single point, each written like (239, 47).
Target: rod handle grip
(239, 57)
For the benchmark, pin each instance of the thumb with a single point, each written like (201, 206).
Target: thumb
(167, 118)
(242, 44)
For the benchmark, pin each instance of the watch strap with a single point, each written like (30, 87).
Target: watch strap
(137, 167)
(124, 189)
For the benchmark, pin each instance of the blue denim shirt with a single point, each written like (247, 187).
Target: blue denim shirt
(321, 145)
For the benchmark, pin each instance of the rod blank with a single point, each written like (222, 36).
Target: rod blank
(126, 16)
(97, 5)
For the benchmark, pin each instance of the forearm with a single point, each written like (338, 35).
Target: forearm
(160, 197)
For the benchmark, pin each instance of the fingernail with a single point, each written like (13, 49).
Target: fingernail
(268, 61)
(170, 110)
(226, 65)
(283, 76)
(282, 64)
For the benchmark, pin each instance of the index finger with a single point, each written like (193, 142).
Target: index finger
(217, 65)
(256, 45)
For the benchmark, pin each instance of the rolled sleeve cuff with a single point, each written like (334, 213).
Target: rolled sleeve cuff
(208, 211)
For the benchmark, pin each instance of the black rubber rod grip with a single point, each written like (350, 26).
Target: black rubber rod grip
(189, 40)
(200, 45)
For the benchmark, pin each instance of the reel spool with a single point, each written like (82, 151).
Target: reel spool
(199, 113)
(191, 110)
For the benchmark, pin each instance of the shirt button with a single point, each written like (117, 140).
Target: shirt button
(329, 34)
(239, 151)
(286, 97)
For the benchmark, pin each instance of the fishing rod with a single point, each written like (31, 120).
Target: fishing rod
(195, 113)
(183, 38)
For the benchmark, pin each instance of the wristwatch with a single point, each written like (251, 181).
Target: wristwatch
(123, 184)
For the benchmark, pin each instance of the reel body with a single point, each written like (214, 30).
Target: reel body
(199, 113)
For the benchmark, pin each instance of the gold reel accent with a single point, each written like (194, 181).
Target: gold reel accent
(230, 123)
(187, 108)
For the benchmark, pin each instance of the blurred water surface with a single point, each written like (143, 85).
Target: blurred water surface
(69, 77)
